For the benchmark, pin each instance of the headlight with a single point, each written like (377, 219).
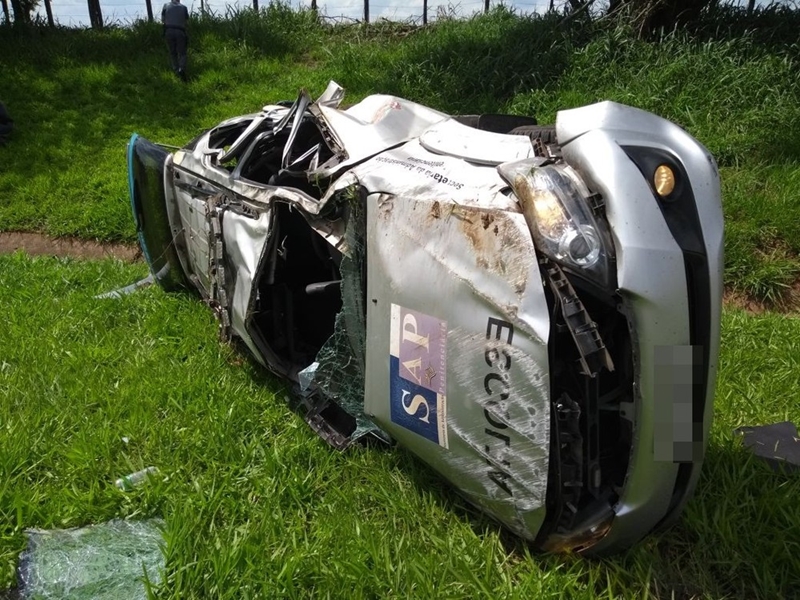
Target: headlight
(555, 203)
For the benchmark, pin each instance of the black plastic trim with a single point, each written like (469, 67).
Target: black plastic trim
(146, 162)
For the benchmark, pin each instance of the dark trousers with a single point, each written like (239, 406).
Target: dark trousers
(177, 40)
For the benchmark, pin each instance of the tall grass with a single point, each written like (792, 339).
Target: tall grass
(78, 95)
(462, 66)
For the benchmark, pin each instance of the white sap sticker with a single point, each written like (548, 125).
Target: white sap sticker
(418, 373)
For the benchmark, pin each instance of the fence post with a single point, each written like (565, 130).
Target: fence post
(366, 11)
(95, 14)
(149, 5)
(255, 5)
(49, 10)
(486, 7)
(424, 12)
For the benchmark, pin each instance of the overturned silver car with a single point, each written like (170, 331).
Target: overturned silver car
(533, 311)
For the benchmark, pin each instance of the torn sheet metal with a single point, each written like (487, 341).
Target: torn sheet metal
(244, 238)
(457, 308)
(375, 124)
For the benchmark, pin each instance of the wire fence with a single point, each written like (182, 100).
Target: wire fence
(78, 13)
(96, 13)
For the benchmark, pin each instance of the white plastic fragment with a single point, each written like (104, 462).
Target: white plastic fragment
(129, 482)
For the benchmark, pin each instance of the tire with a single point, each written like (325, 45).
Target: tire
(546, 133)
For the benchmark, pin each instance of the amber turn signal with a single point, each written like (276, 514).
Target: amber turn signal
(664, 180)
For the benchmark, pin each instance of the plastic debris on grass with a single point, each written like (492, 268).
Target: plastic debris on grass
(98, 562)
(134, 480)
(777, 443)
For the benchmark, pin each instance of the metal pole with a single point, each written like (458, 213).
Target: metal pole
(366, 11)
(95, 14)
(424, 12)
(49, 10)
(486, 7)
(255, 5)
(149, 4)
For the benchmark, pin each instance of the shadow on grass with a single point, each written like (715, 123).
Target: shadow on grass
(464, 66)
(738, 537)
(85, 86)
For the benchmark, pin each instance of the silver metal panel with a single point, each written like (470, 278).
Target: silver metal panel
(482, 147)
(413, 171)
(467, 281)
(244, 239)
(196, 234)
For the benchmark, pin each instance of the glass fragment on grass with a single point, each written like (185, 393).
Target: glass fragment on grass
(97, 562)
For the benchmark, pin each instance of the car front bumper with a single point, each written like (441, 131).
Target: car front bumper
(669, 273)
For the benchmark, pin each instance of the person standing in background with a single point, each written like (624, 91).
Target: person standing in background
(174, 17)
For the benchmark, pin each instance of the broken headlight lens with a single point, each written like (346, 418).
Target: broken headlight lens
(554, 201)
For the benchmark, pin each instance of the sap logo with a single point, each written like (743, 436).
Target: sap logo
(417, 373)
(409, 335)
(413, 407)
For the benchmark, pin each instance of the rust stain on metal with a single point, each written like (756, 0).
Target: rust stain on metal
(385, 206)
(499, 249)
(477, 238)
(580, 542)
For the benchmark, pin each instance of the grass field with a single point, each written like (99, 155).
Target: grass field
(255, 504)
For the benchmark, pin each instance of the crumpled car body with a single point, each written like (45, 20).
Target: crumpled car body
(533, 312)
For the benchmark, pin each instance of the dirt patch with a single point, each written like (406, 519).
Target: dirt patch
(734, 299)
(37, 244)
(788, 304)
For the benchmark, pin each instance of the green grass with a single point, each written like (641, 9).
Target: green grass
(78, 95)
(256, 505)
